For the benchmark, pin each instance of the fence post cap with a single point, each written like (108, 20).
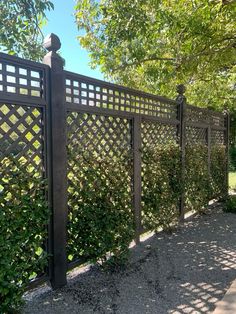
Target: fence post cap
(52, 42)
(180, 89)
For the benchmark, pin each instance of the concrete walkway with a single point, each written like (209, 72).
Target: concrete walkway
(185, 272)
(228, 304)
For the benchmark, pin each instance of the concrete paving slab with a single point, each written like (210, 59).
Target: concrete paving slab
(228, 304)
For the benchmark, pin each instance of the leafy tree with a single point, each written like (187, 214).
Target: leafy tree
(155, 44)
(21, 22)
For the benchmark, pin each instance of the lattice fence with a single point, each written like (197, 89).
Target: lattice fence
(195, 135)
(84, 91)
(23, 171)
(217, 137)
(160, 174)
(99, 182)
(22, 164)
(109, 161)
(22, 135)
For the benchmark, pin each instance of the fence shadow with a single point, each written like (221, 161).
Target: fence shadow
(187, 271)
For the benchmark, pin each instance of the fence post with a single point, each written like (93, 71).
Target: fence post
(57, 163)
(208, 142)
(181, 100)
(137, 176)
(226, 140)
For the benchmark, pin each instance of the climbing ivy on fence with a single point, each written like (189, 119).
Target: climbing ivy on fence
(161, 186)
(100, 206)
(23, 218)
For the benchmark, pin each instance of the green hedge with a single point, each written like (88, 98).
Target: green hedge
(197, 182)
(161, 186)
(100, 207)
(232, 158)
(161, 183)
(218, 172)
(100, 195)
(23, 218)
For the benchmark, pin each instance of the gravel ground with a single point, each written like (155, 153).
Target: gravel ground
(187, 271)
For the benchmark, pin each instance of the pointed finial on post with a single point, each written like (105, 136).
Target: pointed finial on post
(181, 90)
(52, 43)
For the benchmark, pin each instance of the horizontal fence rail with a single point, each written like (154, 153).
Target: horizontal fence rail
(106, 154)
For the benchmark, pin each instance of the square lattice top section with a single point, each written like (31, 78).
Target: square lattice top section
(87, 92)
(22, 80)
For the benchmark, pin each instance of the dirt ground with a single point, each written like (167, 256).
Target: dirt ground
(187, 271)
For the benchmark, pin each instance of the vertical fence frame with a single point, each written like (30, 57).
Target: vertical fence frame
(181, 99)
(208, 142)
(226, 142)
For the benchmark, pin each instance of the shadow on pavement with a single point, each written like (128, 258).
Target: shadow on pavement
(187, 271)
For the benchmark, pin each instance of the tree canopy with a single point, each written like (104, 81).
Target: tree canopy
(155, 44)
(20, 23)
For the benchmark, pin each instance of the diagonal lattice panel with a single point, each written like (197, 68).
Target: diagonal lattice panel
(154, 133)
(217, 137)
(99, 181)
(196, 168)
(99, 134)
(196, 114)
(160, 174)
(195, 135)
(21, 135)
(22, 184)
(203, 115)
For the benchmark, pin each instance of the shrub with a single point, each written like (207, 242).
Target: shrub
(197, 183)
(100, 206)
(23, 218)
(161, 186)
(218, 171)
(232, 158)
(230, 204)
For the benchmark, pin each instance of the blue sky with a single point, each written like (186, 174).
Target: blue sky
(61, 22)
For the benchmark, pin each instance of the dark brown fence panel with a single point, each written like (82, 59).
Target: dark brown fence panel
(196, 168)
(199, 115)
(217, 137)
(219, 162)
(205, 134)
(22, 135)
(160, 174)
(23, 159)
(196, 135)
(99, 184)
